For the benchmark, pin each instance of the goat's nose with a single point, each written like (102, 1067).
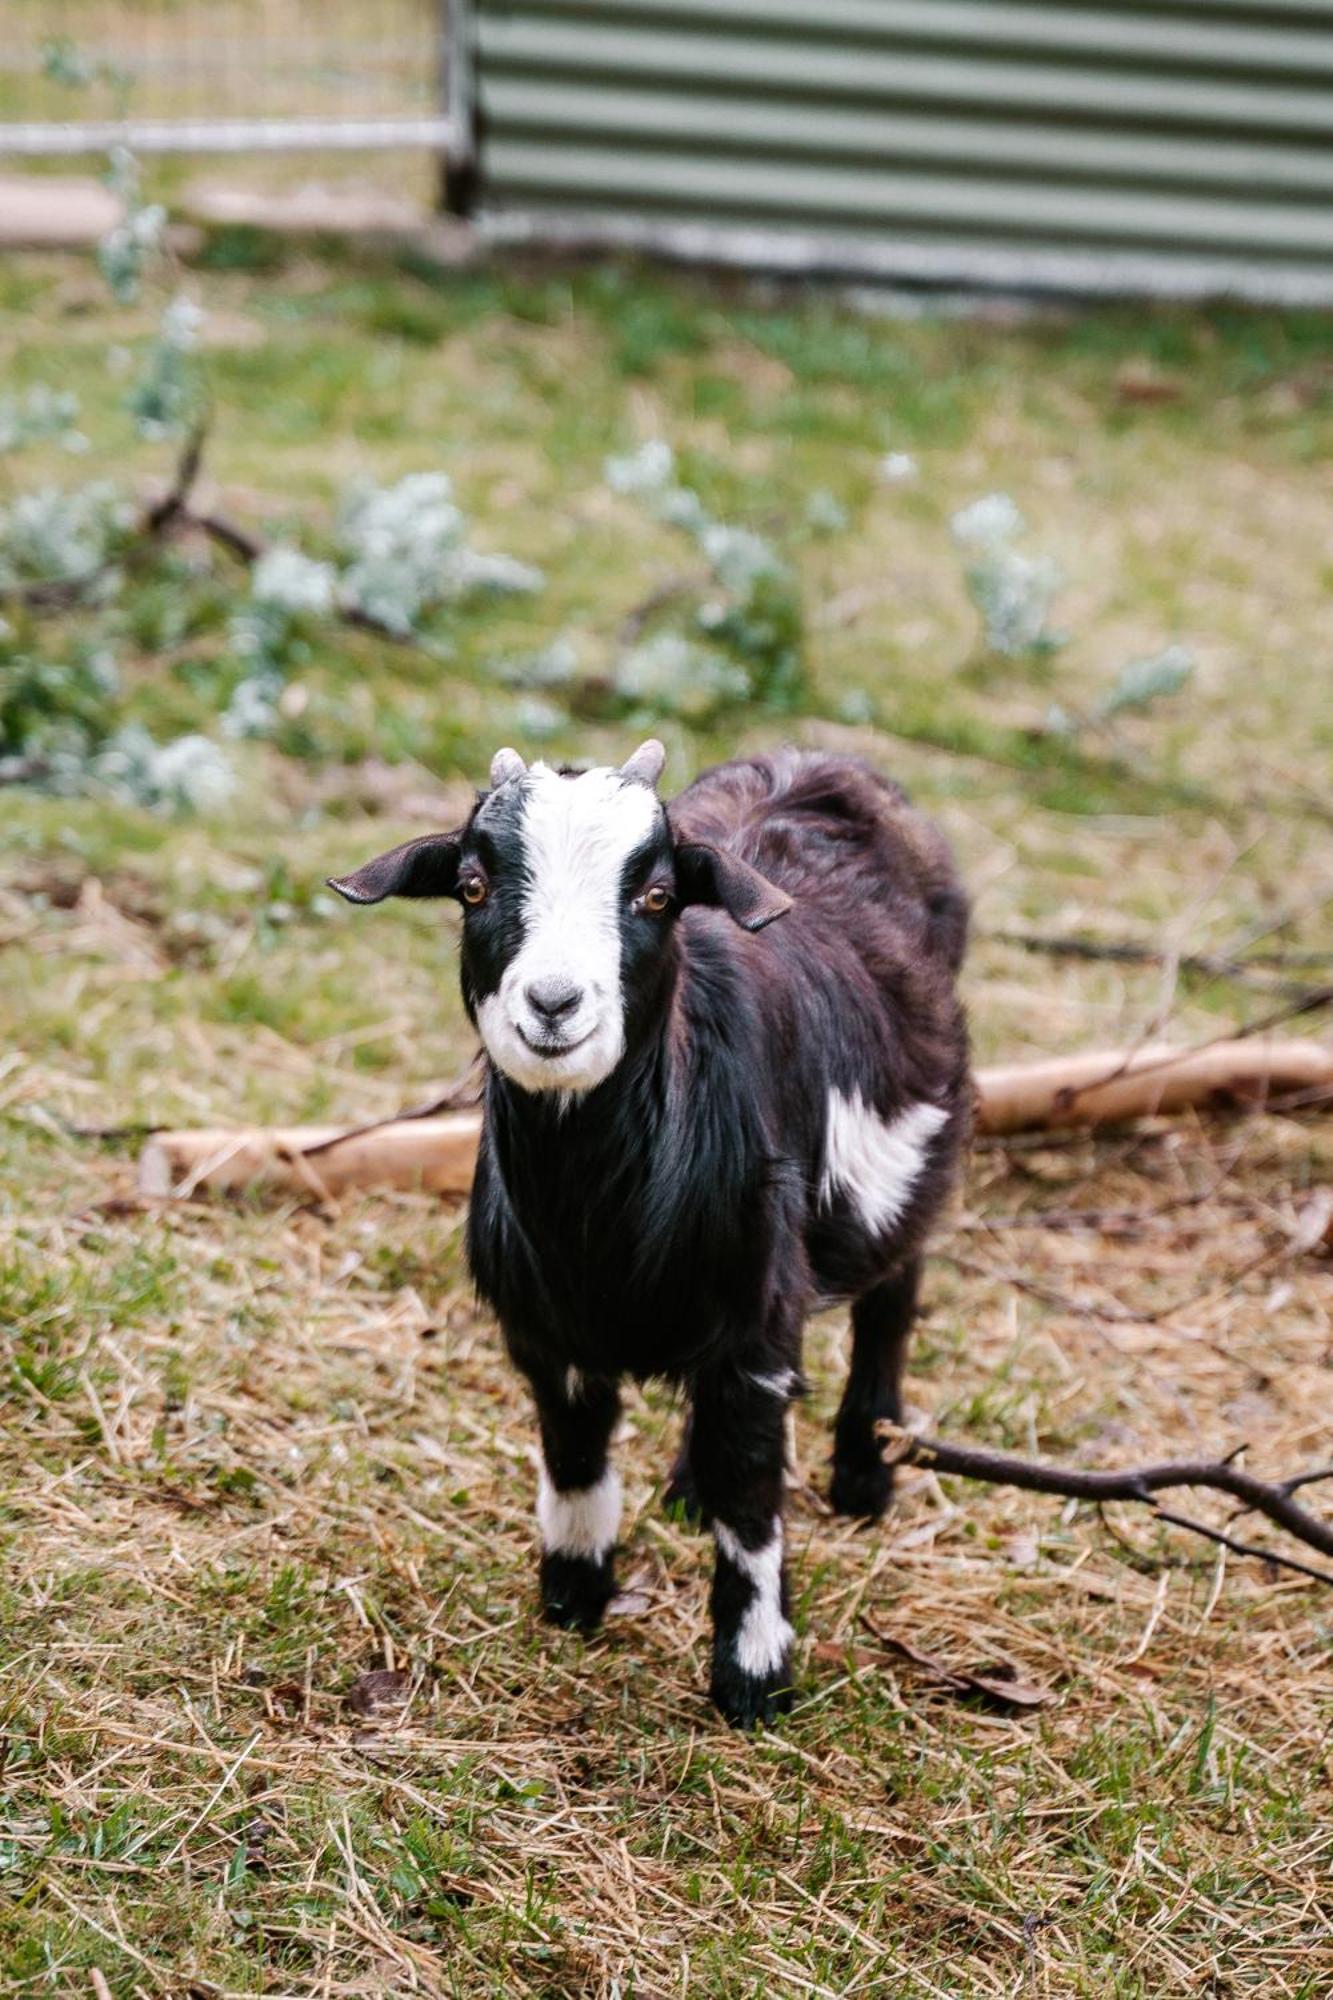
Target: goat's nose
(553, 998)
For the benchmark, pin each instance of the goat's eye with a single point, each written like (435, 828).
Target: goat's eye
(474, 891)
(654, 901)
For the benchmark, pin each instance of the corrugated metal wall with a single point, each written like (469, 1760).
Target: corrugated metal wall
(1180, 146)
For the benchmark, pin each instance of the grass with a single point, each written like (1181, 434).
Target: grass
(250, 1454)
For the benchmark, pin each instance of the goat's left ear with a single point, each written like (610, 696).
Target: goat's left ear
(711, 875)
(425, 867)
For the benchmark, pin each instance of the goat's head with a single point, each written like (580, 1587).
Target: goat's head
(570, 884)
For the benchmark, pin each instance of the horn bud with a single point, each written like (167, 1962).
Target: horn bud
(646, 765)
(506, 764)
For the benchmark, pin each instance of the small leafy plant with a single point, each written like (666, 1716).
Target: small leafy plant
(1012, 590)
(1138, 687)
(737, 636)
(399, 553)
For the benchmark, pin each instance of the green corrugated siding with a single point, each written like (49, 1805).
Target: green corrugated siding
(952, 138)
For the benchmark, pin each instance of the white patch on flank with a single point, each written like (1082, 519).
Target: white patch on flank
(764, 1637)
(581, 1522)
(782, 1384)
(577, 834)
(875, 1162)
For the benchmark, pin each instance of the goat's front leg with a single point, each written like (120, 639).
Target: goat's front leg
(736, 1449)
(578, 1499)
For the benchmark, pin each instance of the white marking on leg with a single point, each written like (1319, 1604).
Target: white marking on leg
(573, 1384)
(764, 1637)
(876, 1162)
(782, 1384)
(584, 1520)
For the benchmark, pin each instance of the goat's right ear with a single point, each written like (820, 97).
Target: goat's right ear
(425, 867)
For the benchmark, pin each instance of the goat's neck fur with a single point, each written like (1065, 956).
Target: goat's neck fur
(656, 1184)
(678, 1089)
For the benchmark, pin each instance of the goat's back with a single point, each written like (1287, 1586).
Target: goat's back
(830, 830)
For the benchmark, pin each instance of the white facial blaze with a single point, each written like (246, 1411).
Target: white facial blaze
(764, 1638)
(577, 834)
(583, 1521)
(876, 1162)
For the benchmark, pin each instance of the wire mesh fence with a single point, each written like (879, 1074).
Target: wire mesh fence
(225, 75)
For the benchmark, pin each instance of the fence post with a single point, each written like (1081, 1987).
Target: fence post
(459, 163)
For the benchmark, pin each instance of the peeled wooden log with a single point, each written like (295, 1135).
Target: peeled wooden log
(437, 1154)
(1106, 1088)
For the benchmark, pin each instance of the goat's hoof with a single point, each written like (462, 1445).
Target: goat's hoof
(747, 1700)
(576, 1591)
(862, 1491)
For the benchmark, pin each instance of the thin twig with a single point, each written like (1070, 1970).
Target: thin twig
(1271, 1498)
(632, 624)
(1118, 1220)
(168, 515)
(159, 517)
(53, 593)
(1212, 965)
(1113, 1312)
(246, 547)
(1308, 1000)
(1240, 1548)
(464, 1091)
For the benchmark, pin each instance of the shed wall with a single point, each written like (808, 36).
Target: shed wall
(1178, 146)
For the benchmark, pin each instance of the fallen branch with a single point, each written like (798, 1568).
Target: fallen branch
(424, 1150)
(1109, 1088)
(1271, 1498)
(320, 1161)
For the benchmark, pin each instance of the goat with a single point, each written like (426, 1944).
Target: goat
(697, 1127)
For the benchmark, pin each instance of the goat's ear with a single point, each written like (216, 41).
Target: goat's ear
(712, 875)
(425, 867)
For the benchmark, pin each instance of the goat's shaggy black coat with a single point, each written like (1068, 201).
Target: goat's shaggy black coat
(646, 1227)
(680, 1219)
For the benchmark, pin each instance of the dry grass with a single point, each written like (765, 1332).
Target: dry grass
(253, 1454)
(249, 1455)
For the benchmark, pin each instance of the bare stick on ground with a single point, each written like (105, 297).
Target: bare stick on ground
(1271, 1497)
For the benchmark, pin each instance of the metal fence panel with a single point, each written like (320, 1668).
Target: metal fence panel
(226, 75)
(1183, 147)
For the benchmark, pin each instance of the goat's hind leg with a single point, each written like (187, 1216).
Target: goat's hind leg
(578, 1499)
(881, 1328)
(682, 1493)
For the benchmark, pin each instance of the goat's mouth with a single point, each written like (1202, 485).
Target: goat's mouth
(551, 1049)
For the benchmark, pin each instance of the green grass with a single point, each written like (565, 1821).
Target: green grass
(250, 1452)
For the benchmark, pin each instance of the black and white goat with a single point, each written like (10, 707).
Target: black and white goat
(696, 1127)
